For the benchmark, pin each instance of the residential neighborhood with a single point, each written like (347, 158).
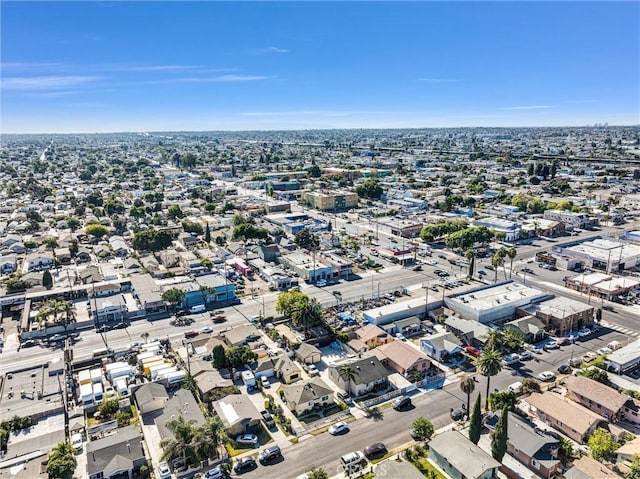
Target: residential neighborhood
(200, 305)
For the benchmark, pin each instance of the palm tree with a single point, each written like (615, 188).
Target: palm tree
(494, 339)
(496, 261)
(502, 254)
(307, 314)
(145, 336)
(43, 314)
(207, 438)
(181, 443)
(56, 307)
(468, 385)
(511, 253)
(489, 364)
(347, 373)
(69, 314)
(471, 257)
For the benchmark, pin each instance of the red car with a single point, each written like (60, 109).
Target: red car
(191, 334)
(219, 318)
(472, 351)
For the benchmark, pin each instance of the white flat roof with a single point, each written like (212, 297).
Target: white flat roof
(491, 297)
(605, 250)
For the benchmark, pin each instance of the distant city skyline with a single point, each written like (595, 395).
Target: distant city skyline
(83, 67)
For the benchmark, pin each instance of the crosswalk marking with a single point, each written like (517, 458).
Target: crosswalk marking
(627, 331)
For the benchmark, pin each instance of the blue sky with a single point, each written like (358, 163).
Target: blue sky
(120, 66)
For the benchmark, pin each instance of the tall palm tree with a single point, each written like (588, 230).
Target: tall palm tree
(69, 314)
(307, 314)
(347, 373)
(471, 257)
(511, 253)
(467, 386)
(494, 339)
(145, 336)
(496, 261)
(489, 364)
(181, 443)
(57, 307)
(207, 438)
(502, 254)
(43, 314)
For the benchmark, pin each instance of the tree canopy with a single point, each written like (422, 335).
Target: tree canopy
(96, 230)
(290, 301)
(151, 240)
(62, 461)
(423, 428)
(370, 189)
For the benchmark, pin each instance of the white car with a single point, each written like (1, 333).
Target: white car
(76, 442)
(264, 381)
(546, 376)
(248, 440)
(56, 337)
(321, 283)
(163, 471)
(603, 351)
(206, 330)
(339, 428)
(511, 359)
(215, 473)
(584, 332)
(313, 370)
(525, 356)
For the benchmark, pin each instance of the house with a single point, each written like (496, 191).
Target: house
(240, 335)
(368, 374)
(531, 328)
(308, 354)
(209, 381)
(440, 345)
(626, 453)
(459, 458)
(597, 397)
(150, 397)
(536, 450)
(38, 262)
(237, 413)
(588, 468)
(119, 246)
(181, 404)
(8, 263)
(372, 335)
(403, 358)
(286, 370)
(268, 253)
(83, 255)
(264, 367)
(63, 255)
(472, 333)
(573, 420)
(303, 397)
(116, 456)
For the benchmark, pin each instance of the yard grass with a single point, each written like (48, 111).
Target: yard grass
(309, 418)
(263, 438)
(427, 469)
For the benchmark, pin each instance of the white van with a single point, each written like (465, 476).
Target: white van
(351, 460)
(515, 387)
(198, 308)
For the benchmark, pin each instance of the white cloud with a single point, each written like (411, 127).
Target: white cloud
(51, 82)
(271, 50)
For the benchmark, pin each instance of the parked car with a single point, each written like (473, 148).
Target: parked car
(401, 403)
(56, 337)
(482, 272)
(564, 369)
(321, 283)
(163, 471)
(417, 268)
(511, 359)
(248, 440)
(584, 332)
(475, 352)
(339, 428)
(589, 356)
(604, 350)
(515, 387)
(552, 344)
(191, 334)
(490, 267)
(264, 382)
(377, 449)
(268, 419)
(215, 473)
(546, 376)
(313, 370)
(270, 454)
(206, 330)
(245, 464)
(525, 355)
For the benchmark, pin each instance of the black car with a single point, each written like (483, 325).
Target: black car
(564, 369)
(245, 464)
(401, 403)
(458, 414)
(269, 455)
(417, 268)
(377, 449)
(29, 343)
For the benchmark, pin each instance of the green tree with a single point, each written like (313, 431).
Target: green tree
(173, 296)
(73, 223)
(290, 301)
(423, 428)
(207, 437)
(467, 386)
(207, 234)
(307, 240)
(181, 444)
(317, 473)
(219, 356)
(499, 436)
(597, 374)
(530, 385)
(489, 364)
(145, 336)
(471, 257)
(511, 253)
(370, 189)
(634, 469)
(347, 373)
(307, 314)
(239, 356)
(500, 399)
(47, 279)
(602, 445)
(248, 231)
(175, 212)
(96, 230)
(62, 461)
(475, 421)
(151, 240)
(109, 407)
(314, 171)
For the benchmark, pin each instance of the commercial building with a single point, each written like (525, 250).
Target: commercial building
(605, 255)
(562, 315)
(335, 201)
(571, 218)
(396, 311)
(495, 303)
(510, 229)
(625, 359)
